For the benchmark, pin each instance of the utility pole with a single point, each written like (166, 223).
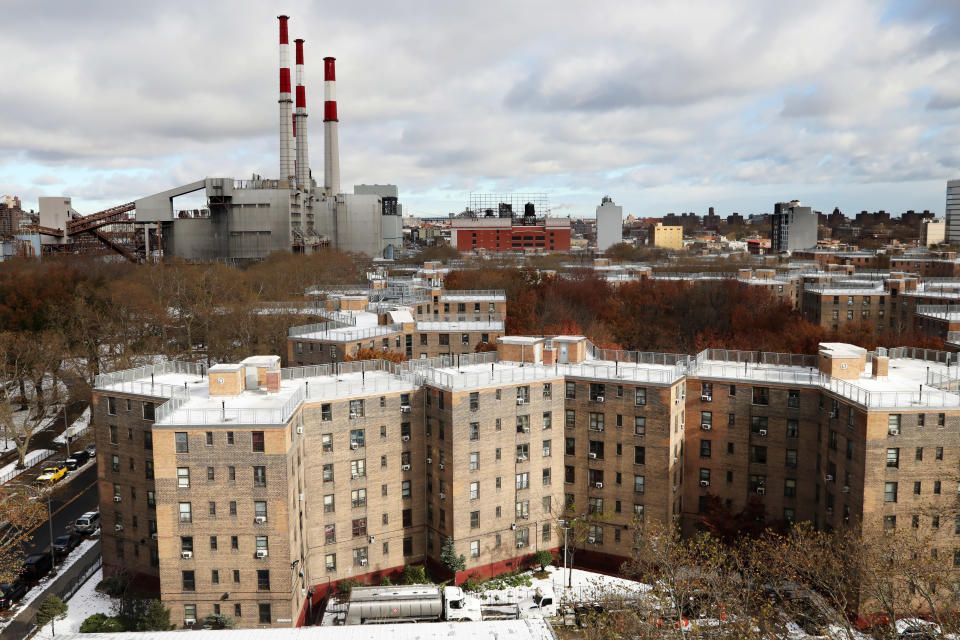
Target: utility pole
(66, 427)
(53, 557)
(565, 527)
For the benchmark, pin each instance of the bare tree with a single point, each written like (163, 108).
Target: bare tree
(31, 363)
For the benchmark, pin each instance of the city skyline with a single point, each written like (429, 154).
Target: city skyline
(672, 108)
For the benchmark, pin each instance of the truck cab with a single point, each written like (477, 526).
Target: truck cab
(459, 606)
(542, 604)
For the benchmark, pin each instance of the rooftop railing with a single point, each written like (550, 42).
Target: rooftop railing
(175, 413)
(953, 337)
(939, 311)
(929, 355)
(355, 334)
(459, 317)
(627, 371)
(757, 357)
(847, 287)
(317, 327)
(340, 289)
(137, 378)
(459, 294)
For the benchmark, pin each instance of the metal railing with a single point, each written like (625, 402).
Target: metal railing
(317, 327)
(758, 357)
(756, 373)
(459, 317)
(625, 371)
(953, 337)
(483, 294)
(928, 355)
(846, 288)
(939, 311)
(135, 375)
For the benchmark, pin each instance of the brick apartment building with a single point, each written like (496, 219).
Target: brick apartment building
(248, 490)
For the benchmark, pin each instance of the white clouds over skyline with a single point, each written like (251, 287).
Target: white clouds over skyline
(665, 106)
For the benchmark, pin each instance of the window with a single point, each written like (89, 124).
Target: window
(638, 484)
(706, 419)
(706, 391)
(186, 515)
(790, 488)
(259, 476)
(893, 424)
(358, 498)
(547, 449)
(547, 420)
(263, 580)
(569, 474)
(758, 454)
(358, 468)
(359, 527)
(571, 390)
(114, 438)
(356, 408)
(211, 474)
(523, 480)
(115, 463)
(547, 477)
(183, 477)
(547, 390)
(571, 418)
(180, 438)
(640, 399)
(790, 459)
(257, 439)
(444, 339)
(705, 448)
(793, 398)
(357, 438)
(918, 456)
(890, 492)
(793, 428)
(474, 460)
(595, 506)
(474, 490)
(939, 453)
(263, 610)
(596, 534)
(936, 487)
(758, 424)
(151, 499)
(596, 421)
(188, 580)
(639, 426)
(761, 395)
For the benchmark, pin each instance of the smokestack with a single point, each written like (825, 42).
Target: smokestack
(300, 124)
(286, 106)
(331, 144)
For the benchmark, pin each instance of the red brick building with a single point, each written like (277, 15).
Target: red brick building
(511, 234)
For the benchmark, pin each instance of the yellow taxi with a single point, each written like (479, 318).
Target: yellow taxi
(52, 474)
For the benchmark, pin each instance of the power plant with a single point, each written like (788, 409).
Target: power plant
(251, 218)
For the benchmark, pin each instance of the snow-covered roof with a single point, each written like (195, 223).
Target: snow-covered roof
(532, 629)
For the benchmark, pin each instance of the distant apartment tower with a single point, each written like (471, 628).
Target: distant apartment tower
(792, 227)
(609, 224)
(666, 236)
(933, 232)
(953, 211)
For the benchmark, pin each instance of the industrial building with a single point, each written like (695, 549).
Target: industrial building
(609, 224)
(247, 219)
(792, 227)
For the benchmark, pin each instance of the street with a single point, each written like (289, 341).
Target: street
(71, 499)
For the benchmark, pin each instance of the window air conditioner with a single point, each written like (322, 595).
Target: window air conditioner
(371, 539)
(829, 478)
(443, 496)
(521, 401)
(682, 425)
(592, 540)
(513, 526)
(153, 535)
(761, 490)
(186, 554)
(599, 485)
(762, 432)
(846, 489)
(592, 455)
(442, 467)
(259, 520)
(405, 438)
(189, 621)
(894, 431)
(520, 545)
(261, 553)
(521, 458)
(599, 398)
(704, 483)
(300, 430)
(706, 398)
(706, 426)
(354, 446)
(404, 408)
(353, 415)
(118, 527)
(405, 467)
(116, 498)
(363, 562)
(429, 460)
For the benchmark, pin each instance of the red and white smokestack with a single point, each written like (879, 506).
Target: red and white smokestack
(331, 143)
(300, 124)
(287, 171)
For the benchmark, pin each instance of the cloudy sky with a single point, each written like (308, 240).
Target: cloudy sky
(665, 106)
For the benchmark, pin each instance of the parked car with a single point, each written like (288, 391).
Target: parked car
(11, 592)
(78, 459)
(87, 523)
(36, 566)
(52, 474)
(92, 449)
(66, 543)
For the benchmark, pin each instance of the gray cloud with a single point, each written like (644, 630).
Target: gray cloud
(662, 105)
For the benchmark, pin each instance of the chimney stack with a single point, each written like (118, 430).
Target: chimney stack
(331, 144)
(300, 124)
(287, 171)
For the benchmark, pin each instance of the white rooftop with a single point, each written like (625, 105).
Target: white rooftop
(493, 325)
(351, 334)
(532, 629)
(518, 340)
(841, 350)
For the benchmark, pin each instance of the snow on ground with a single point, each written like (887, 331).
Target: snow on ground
(78, 427)
(39, 588)
(586, 585)
(83, 604)
(29, 460)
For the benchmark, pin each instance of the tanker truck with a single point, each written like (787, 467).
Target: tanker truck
(410, 603)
